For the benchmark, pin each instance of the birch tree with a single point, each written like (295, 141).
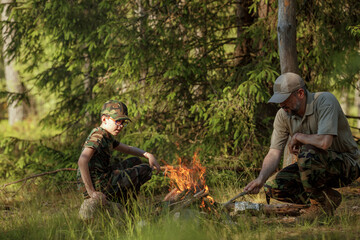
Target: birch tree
(16, 109)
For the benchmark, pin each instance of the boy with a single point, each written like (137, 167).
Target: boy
(104, 182)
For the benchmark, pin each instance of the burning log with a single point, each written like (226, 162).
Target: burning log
(188, 201)
(174, 195)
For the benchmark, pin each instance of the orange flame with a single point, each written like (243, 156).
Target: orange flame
(188, 178)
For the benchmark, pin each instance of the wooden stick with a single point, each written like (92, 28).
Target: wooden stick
(199, 194)
(234, 198)
(39, 175)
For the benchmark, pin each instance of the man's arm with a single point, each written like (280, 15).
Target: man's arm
(270, 163)
(320, 141)
(83, 162)
(140, 153)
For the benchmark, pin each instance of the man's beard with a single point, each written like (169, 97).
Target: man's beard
(295, 110)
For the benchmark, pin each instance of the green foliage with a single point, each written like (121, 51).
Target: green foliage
(194, 75)
(355, 30)
(222, 179)
(327, 44)
(158, 184)
(23, 157)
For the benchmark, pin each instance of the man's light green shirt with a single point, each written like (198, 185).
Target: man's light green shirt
(323, 115)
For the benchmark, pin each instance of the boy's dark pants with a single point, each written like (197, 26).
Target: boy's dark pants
(314, 171)
(121, 181)
(126, 179)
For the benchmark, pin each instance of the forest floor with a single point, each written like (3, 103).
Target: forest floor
(34, 213)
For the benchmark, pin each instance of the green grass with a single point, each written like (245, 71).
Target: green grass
(53, 214)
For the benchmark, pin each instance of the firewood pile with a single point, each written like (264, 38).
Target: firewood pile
(188, 187)
(177, 201)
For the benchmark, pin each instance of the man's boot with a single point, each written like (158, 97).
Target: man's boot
(324, 204)
(332, 201)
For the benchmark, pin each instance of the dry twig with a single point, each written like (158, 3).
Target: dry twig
(38, 175)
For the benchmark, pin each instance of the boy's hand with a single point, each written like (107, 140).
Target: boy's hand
(99, 196)
(152, 162)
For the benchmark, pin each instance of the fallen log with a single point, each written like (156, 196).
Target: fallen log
(283, 209)
(286, 209)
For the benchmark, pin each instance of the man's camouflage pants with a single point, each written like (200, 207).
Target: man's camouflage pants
(122, 181)
(314, 171)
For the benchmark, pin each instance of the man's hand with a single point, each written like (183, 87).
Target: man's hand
(321, 141)
(254, 186)
(99, 196)
(294, 145)
(152, 162)
(271, 161)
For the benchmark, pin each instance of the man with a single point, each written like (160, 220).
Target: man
(328, 156)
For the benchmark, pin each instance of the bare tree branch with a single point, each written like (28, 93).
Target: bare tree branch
(39, 175)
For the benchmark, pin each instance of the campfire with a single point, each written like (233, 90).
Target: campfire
(188, 185)
(188, 188)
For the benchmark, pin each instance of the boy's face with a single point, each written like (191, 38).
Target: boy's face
(112, 126)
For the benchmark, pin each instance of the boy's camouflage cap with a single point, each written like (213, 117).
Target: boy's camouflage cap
(116, 110)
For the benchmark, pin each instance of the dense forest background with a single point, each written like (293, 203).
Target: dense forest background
(195, 75)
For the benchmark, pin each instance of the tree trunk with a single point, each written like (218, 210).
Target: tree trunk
(288, 158)
(88, 87)
(264, 8)
(142, 29)
(263, 13)
(243, 19)
(344, 100)
(141, 14)
(357, 101)
(287, 49)
(16, 110)
(287, 36)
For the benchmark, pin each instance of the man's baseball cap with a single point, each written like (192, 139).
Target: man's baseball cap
(284, 85)
(116, 110)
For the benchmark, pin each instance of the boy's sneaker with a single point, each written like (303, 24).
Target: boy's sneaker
(88, 209)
